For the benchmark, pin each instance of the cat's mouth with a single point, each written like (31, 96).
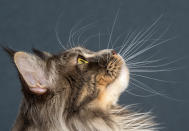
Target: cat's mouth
(116, 81)
(121, 73)
(120, 83)
(115, 69)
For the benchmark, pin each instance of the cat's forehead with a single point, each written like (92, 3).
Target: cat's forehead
(85, 52)
(80, 50)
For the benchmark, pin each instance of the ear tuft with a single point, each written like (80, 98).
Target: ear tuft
(10, 51)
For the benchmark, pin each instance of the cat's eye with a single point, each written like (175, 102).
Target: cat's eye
(81, 61)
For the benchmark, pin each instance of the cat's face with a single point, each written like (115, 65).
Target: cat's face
(82, 78)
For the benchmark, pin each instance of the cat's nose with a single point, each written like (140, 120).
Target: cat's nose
(114, 52)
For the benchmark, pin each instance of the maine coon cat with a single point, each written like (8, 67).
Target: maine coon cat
(75, 90)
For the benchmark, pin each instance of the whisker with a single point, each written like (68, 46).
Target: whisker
(147, 49)
(152, 78)
(90, 37)
(99, 40)
(150, 90)
(82, 29)
(132, 43)
(59, 40)
(141, 37)
(117, 39)
(126, 41)
(144, 96)
(71, 31)
(155, 70)
(57, 34)
(81, 33)
(112, 29)
(145, 62)
(137, 44)
(158, 93)
(137, 40)
(152, 44)
(146, 31)
(156, 66)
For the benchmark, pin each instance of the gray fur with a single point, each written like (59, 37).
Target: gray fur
(70, 103)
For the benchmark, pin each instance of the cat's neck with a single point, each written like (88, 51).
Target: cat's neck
(37, 118)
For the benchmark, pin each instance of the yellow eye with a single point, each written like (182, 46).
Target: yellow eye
(81, 61)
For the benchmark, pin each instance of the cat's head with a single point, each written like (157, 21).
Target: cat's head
(78, 77)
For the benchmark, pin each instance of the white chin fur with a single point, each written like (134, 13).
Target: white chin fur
(119, 85)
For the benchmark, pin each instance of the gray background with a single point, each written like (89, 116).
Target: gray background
(25, 24)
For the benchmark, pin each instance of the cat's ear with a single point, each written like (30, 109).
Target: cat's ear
(32, 70)
(42, 54)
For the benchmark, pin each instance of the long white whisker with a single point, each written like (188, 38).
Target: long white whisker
(139, 43)
(145, 62)
(56, 32)
(83, 28)
(145, 32)
(151, 78)
(146, 49)
(154, 70)
(126, 41)
(131, 93)
(156, 66)
(82, 32)
(71, 31)
(90, 37)
(112, 29)
(150, 90)
(117, 39)
(59, 40)
(153, 43)
(132, 43)
(99, 40)
(158, 93)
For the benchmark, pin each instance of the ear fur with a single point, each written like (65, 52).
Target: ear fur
(32, 70)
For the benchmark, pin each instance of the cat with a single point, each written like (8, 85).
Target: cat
(75, 90)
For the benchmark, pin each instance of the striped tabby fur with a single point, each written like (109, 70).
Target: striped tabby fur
(61, 94)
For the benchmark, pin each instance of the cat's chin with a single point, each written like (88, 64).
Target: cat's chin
(119, 84)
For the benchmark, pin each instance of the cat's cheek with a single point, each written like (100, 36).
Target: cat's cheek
(81, 67)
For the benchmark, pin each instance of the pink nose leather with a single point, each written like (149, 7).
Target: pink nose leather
(114, 52)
